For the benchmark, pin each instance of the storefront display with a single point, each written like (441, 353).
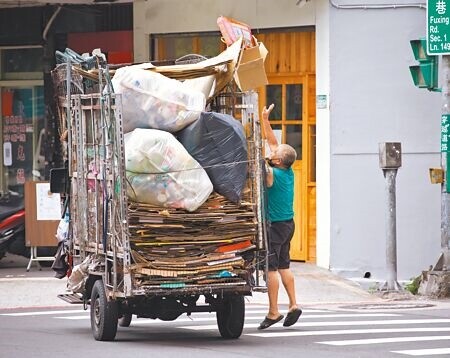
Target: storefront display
(22, 122)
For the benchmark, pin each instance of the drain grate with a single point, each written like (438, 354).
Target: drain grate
(383, 306)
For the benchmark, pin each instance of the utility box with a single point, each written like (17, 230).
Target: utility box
(436, 175)
(390, 155)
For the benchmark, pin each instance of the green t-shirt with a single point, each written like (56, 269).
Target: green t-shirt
(281, 195)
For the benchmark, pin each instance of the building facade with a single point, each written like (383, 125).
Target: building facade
(338, 74)
(362, 95)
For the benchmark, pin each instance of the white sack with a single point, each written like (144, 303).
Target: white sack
(161, 172)
(79, 275)
(151, 100)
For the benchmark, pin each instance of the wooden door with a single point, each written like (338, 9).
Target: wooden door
(290, 68)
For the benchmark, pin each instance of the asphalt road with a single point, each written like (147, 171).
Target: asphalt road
(394, 329)
(319, 333)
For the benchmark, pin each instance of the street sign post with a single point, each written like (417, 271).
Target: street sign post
(438, 27)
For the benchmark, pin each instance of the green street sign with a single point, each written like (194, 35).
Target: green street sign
(438, 27)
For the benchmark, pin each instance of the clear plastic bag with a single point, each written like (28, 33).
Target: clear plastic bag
(161, 172)
(151, 100)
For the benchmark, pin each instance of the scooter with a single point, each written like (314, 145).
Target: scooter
(12, 229)
(12, 225)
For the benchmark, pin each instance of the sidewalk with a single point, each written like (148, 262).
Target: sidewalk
(317, 286)
(36, 288)
(314, 286)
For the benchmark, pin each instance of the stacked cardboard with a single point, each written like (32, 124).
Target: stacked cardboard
(175, 248)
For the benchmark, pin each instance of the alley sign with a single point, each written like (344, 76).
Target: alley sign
(445, 133)
(438, 27)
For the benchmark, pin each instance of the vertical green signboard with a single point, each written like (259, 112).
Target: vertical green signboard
(445, 133)
(445, 146)
(438, 27)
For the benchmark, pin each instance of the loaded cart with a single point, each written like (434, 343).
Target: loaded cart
(134, 246)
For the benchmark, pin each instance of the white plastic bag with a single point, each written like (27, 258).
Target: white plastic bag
(151, 100)
(161, 172)
(79, 275)
(63, 228)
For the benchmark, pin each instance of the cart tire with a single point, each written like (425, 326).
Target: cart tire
(125, 320)
(230, 319)
(104, 314)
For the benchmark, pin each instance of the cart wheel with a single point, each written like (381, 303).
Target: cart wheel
(230, 319)
(125, 320)
(104, 314)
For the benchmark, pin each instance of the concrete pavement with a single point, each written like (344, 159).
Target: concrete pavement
(36, 288)
(314, 285)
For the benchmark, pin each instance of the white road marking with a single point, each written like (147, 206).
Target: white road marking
(41, 313)
(347, 331)
(337, 323)
(345, 315)
(424, 352)
(74, 318)
(212, 317)
(352, 342)
(38, 313)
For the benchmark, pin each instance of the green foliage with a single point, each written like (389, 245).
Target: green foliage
(413, 286)
(373, 288)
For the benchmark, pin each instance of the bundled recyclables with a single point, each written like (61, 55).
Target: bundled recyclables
(152, 100)
(161, 172)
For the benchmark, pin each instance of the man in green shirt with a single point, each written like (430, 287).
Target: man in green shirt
(280, 193)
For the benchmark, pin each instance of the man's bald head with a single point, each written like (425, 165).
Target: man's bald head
(287, 154)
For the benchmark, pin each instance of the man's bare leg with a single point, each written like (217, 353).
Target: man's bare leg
(272, 288)
(287, 278)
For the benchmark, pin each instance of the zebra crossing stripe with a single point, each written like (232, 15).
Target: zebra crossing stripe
(343, 315)
(424, 352)
(352, 342)
(347, 331)
(212, 317)
(74, 318)
(41, 313)
(336, 323)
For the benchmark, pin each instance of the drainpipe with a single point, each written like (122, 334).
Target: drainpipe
(50, 22)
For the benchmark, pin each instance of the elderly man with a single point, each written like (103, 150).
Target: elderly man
(280, 193)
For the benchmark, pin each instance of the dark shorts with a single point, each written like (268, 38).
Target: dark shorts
(280, 235)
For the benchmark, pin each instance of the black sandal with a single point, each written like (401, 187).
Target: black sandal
(269, 322)
(292, 317)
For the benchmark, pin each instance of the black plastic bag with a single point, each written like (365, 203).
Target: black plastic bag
(217, 141)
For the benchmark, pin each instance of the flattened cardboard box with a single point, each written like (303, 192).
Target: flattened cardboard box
(250, 72)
